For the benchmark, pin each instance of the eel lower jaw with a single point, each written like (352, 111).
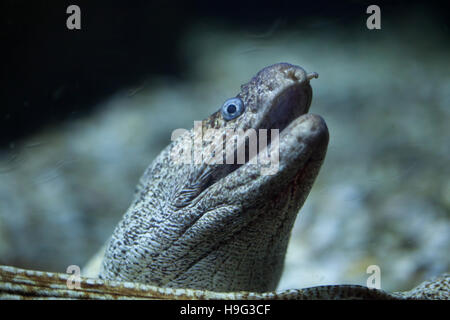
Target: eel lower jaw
(301, 149)
(302, 142)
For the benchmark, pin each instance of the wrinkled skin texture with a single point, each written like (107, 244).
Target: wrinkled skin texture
(224, 227)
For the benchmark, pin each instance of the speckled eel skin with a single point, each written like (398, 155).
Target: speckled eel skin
(213, 213)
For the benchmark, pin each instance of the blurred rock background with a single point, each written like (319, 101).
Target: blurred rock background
(85, 112)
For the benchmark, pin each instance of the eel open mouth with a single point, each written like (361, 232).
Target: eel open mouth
(283, 95)
(292, 102)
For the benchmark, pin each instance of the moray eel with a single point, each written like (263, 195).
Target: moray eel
(213, 213)
(225, 226)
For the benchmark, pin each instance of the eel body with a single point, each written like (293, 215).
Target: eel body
(213, 213)
(220, 218)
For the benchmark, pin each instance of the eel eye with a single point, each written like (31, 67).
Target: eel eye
(232, 108)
